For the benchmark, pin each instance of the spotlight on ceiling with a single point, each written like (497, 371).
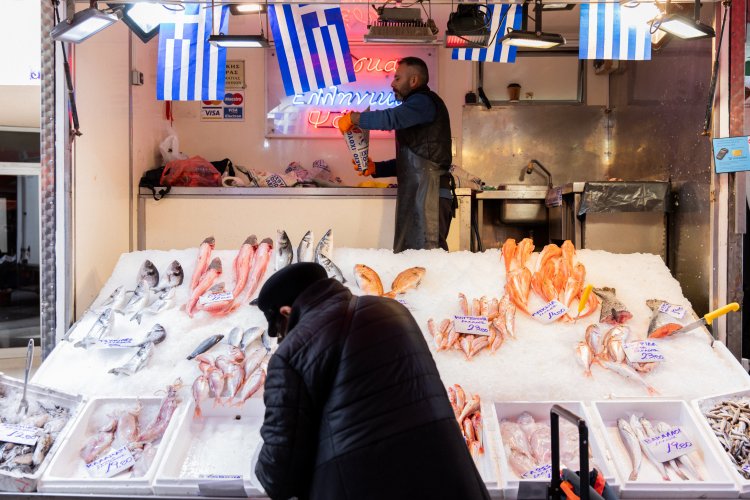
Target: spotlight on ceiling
(144, 18)
(468, 27)
(83, 24)
(401, 25)
(239, 9)
(684, 27)
(239, 41)
(536, 39)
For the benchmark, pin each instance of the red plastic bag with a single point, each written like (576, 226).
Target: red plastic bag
(193, 172)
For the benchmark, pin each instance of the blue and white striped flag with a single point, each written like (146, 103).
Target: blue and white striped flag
(311, 46)
(510, 16)
(189, 68)
(607, 34)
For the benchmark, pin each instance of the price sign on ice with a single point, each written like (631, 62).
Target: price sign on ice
(19, 434)
(210, 298)
(673, 310)
(126, 342)
(475, 325)
(550, 312)
(543, 472)
(645, 351)
(112, 463)
(406, 304)
(669, 445)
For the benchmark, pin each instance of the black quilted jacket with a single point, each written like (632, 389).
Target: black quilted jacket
(355, 407)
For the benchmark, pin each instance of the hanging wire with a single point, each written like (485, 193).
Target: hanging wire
(715, 73)
(75, 129)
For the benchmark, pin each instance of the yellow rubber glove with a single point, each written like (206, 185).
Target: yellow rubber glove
(345, 123)
(370, 170)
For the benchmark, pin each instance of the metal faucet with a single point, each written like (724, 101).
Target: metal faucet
(530, 168)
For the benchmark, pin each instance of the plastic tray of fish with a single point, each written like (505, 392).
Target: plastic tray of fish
(68, 472)
(532, 433)
(696, 474)
(488, 464)
(213, 453)
(52, 411)
(703, 405)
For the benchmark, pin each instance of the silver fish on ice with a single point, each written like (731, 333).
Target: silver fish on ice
(305, 248)
(149, 273)
(283, 253)
(138, 361)
(99, 330)
(206, 345)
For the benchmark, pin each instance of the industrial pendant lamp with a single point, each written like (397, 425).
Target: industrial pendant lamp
(144, 18)
(536, 39)
(684, 27)
(84, 24)
(468, 27)
(241, 41)
(401, 25)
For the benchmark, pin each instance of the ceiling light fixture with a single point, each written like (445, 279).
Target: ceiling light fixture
(536, 39)
(401, 25)
(684, 27)
(144, 18)
(239, 9)
(241, 41)
(84, 24)
(468, 27)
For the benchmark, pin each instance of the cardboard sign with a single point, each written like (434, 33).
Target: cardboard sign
(645, 351)
(19, 434)
(673, 310)
(669, 445)
(543, 471)
(112, 463)
(210, 298)
(475, 325)
(550, 312)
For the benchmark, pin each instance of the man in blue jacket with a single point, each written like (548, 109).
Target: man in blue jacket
(355, 408)
(424, 203)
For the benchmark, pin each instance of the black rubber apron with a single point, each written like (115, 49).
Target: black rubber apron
(417, 202)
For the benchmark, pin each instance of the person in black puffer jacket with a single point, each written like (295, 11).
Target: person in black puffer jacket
(355, 408)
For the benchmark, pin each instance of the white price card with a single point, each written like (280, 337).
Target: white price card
(126, 342)
(210, 298)
(550, 312)
(19, 434)
(644, 351)
(543, 472)
(669, 445)
(475, 325)
(746, 468)
(220, 476)
(673, 310)
(112, 463)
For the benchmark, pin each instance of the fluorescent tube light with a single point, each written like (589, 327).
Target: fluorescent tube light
(239, 41)
(532, 40)
(84, 24)
(683, 27)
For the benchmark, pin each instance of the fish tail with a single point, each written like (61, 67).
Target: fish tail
(390, 295)
(137, 317)
(198, 413)
(633, 475)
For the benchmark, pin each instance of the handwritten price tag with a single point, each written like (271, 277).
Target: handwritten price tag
(550, 312)
(126, 342)
(19, 434)
(112, 463)
(746, 468)
(669, 445)
(210, 298)
(673, 310)
(543, 471)
(645, 351)
(220, 476)
(406, 304)
(475, 325)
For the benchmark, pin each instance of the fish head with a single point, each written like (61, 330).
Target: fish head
(282, 240)
(157, 334)
(175, 274)
(215, 265)
(210, 241)
(251, 240)
(149, 273)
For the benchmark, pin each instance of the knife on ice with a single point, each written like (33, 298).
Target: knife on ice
(708, 318)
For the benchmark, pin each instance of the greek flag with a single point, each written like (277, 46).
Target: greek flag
(607, 34)
(189, 68)
(509, 16)
(311, 46)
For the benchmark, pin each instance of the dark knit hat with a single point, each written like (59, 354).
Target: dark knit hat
(283, 288)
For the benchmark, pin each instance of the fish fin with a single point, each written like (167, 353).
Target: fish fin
(390, 295)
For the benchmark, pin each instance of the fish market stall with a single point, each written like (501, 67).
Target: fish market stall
(188, 324)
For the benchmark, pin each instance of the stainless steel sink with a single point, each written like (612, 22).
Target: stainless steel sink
(520, 203)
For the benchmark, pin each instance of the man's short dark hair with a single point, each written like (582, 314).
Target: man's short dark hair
(420, 66)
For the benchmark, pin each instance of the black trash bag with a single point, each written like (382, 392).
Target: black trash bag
(151, 179)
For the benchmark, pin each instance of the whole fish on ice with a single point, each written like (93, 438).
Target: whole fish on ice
(234, 337)
(324, 246)
(368, 280)
(162, 303)
(213, 272)
(613, 311)
(283, 255)
(99, 330)
(250, 335)
(206, 345)
(630, 440)
(174, 277)
(204, 253)
(139, 300)
(149, 274)
(156, 335)
(305, 249)
(661, 323)
(406, 280)
(332, 269)
(138, 361)
(115, 299)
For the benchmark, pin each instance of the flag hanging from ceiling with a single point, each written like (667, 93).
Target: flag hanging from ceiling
(311, 46)
(504, 17)
(189, 68)
(608, 34)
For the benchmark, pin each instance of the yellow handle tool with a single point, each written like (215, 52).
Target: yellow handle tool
(584, 299)
(708, 318)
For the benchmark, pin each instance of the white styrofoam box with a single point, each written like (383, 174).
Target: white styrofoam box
(740, 374)
(13, 387)
(704, 404)
(488, 464)
(716, 481)
(214, 448)
(67, 473)
(540, 411)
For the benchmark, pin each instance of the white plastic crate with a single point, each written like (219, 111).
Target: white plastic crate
(217, 448)
(540, 411)
(716, 481)
(10, 481)
(488, 464)
(67, 473)
(704, 404)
